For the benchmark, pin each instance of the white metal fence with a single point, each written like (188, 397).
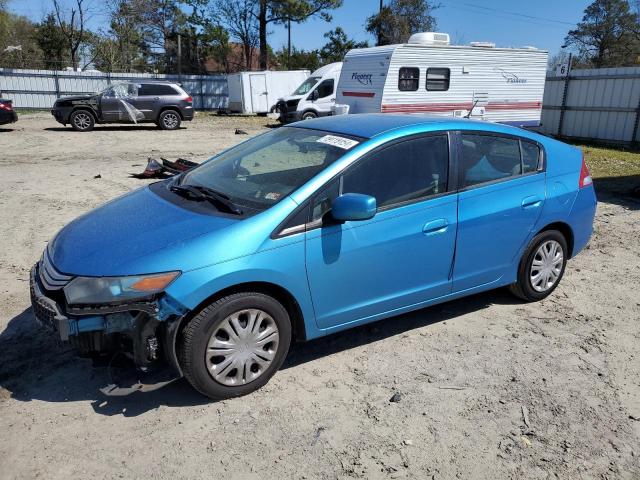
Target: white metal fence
(40, 88)
(597, 104)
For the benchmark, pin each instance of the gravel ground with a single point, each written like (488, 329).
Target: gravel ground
(488, 387)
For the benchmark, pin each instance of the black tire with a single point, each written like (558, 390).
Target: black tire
(82, 121)
(197, 333)
(524, 287)
(309, 115)
(169, 120)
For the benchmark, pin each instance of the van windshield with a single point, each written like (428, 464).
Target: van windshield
(261, 171)
(307, 85)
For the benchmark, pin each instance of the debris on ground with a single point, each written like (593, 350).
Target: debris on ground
(396, 397)
(241, 132)
(164, 168)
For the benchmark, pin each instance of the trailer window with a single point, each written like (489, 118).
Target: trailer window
(438, 79)
(408, 79)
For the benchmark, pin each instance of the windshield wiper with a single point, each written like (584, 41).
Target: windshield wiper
(198, 193)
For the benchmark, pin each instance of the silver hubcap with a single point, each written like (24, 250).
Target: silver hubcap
(170, 120)
(242, 347)
(82, 120)
(546, 266)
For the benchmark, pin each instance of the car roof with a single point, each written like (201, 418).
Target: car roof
(368, 125)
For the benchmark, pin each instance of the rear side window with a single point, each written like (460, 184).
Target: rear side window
(486, 158)
(530, 157)
(438, 79)
(408, 79)
(156, 89)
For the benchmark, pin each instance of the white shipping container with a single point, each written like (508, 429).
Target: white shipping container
(256, 92)
(427, 75)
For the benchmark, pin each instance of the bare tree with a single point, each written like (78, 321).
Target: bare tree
(72, 25)
(240, 19)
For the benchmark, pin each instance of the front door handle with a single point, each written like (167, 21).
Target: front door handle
(435, 226)
(531, 202)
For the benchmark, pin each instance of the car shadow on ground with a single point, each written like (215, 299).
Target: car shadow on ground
(623, 191)
(112, 128)
(3, 130)
(35, 366)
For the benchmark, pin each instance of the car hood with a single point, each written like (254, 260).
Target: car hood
(137, 233)
(286, 98)
(75, 98)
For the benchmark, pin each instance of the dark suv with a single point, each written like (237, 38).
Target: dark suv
(163, 103)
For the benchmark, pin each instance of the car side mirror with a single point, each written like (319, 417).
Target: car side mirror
(353, 206)
(315, 95)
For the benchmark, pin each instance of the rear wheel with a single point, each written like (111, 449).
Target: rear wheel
(542, 266)
(235, 345)
(82, 121)
(169, 120)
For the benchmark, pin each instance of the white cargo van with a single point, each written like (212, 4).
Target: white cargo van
(428, 75)
(255, 92)
(315, 97)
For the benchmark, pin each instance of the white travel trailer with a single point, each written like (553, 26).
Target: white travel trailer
(255, 92)
(315, 97)
(428, 75)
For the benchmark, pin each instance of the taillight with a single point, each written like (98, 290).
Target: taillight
(189, 99)
(585, 176)
(5, 106)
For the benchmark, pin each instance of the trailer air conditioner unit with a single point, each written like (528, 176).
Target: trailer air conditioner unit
(429, 38)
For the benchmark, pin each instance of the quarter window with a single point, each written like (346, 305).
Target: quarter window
(408, 79)
(486, 158)
(438, 79)
(530, 157)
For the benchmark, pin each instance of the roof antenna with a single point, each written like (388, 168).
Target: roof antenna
(474, 106)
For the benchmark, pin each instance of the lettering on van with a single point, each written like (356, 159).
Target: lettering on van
(363, 78)
(509, 77)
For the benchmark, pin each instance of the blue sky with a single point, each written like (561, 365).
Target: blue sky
(541, 23)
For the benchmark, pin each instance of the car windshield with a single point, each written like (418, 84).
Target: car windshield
(263, 170)
(306, 85)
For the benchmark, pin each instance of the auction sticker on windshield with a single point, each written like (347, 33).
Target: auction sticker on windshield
(340, 142)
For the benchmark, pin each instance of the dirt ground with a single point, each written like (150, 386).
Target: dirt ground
(489, 387)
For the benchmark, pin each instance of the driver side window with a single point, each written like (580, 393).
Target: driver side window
(403, 172)
(325, 89)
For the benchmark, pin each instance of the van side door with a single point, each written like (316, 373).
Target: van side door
(362, 270)
(502, 192)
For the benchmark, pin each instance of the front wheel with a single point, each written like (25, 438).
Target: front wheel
(82, 121)
(235, 345)
(542, 266)
(169, 120)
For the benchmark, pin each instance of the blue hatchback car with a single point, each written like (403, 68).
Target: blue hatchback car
(311, 229)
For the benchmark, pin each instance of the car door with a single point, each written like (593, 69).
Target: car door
(111, 108)
(151, 96)
(358, 270)
(325, 96)
(502, 194)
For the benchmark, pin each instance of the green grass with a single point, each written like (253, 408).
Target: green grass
(615, 169)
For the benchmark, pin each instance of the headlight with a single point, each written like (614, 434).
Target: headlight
(97, 290)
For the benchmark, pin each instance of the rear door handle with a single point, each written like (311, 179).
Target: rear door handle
(435, 226)
(531, 202)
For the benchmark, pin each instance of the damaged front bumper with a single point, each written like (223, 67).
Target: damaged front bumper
(146, 330)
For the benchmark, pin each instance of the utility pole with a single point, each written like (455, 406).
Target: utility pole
(379, 25)
(179, 54)
(289, 44)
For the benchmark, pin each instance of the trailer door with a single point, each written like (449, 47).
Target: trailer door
(258, 86)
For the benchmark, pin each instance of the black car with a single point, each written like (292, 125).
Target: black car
(7, 113)
(163, 103)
